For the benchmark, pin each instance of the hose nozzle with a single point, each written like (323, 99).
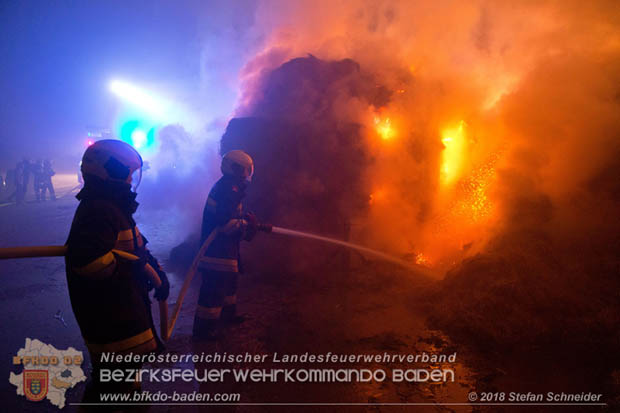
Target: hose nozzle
(265, 227)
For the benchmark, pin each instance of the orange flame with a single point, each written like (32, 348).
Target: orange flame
(475, 204)
(384, 128)
(453, 156)
(421, 259)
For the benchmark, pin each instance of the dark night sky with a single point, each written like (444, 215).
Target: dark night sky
(58, 57)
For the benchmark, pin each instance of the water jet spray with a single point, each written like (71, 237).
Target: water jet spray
(356, 247)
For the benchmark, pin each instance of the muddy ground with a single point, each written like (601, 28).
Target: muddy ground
(369, 307)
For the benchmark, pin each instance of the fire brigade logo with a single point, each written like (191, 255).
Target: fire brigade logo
(35, 384)
(47, 372)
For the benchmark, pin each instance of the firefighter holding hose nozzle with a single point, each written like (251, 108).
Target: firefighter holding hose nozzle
(227, 225)
(108, 291)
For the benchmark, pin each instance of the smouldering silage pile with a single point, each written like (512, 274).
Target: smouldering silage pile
(481, 145)
(550, 277)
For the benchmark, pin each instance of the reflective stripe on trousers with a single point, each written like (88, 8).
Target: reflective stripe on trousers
(208, 313)
(218, 289)
(219, 264)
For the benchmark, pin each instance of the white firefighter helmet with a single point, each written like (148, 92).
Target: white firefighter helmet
(238, 163)
(113, 160)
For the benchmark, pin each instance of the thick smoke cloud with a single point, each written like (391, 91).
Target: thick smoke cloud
(185, 163)
(535, 85)
(501, 164)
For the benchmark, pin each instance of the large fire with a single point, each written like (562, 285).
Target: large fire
(462, 205)
(459, 124)
(488, 152)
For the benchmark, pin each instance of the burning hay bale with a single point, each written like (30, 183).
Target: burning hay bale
(309, 162)
(307, 175)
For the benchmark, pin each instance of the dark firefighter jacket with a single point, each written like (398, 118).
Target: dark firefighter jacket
(223, 211)
(109, 295)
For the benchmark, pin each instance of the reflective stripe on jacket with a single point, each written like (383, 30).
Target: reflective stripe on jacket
(223, 209)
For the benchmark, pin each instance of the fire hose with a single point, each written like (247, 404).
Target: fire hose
(61, 250)
(165, 327)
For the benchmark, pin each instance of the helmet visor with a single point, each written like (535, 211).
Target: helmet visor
(136, 178)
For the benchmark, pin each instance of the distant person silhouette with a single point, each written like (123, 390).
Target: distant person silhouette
(46, 180)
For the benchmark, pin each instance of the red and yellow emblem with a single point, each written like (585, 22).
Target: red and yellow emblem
(35, 384)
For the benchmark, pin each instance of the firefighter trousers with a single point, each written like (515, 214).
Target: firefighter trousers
(217, 300)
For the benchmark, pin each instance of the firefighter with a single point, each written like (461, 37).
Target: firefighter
(219, 266)
(46, 180)
(109, 294)
(37, 183)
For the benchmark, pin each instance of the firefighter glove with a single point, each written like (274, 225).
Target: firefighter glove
(163, 291)
(251, 227)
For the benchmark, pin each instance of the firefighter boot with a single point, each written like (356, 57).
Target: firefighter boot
(205, 329)
(229, 315)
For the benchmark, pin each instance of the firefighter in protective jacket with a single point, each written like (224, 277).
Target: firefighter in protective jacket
(109, 293)
(224, 218)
